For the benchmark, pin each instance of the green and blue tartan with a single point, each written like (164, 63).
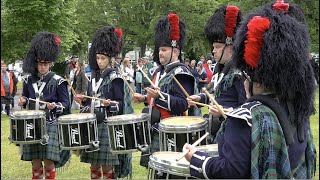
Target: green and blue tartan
(269, 152)
(104, 155)
(49, 151)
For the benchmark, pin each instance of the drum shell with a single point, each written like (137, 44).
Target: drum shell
(128, 132)
(27, 127)
(173, 136)
(77, 131)
(168, 166)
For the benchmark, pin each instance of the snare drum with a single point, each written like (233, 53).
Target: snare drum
(129, 133)
(28, 127)
(78, 131)
(176, 131)
(163, 165)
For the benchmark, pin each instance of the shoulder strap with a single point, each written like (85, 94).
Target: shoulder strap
(175, 65)
(287, 127)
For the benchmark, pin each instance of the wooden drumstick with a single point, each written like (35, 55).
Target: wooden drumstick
(154, 86)
(193, 145)
(186, 93)
(90, 97)
(124, 79)
(72, 90)
(214, 102)
(44, 102)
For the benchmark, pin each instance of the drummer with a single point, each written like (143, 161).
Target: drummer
(268, 137)
(45, 85)
(170, 34)
(226, 84)
(106, 83)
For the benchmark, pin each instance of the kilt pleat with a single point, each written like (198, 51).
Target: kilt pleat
(49, 151)
(103, 156)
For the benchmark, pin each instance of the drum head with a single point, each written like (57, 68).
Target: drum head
(166, 162)
(128, 118)
(77, 118)
(182, 124)
(28, 114)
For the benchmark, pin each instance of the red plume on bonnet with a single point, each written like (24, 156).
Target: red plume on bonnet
(174, 25)
(281, 6)
(57, 40)
(231, 20)
(257, 26)
(119, 32)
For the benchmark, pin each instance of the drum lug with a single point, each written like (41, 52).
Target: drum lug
(45, 140)
(95, 143)
(143, 148)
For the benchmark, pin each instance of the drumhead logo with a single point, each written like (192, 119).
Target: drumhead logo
(74, 132)
(28, 132)
(119, 135)
(171, 144)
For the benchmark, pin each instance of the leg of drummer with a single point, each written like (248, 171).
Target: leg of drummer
(107, 172)
(37, 169)
(95, 172)
(49, 169)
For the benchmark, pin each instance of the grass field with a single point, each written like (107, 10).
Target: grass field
(13, 168)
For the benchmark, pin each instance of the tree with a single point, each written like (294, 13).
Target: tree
(23, 19)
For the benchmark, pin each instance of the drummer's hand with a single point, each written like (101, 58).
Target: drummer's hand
(78, 98)
(138, 98)
(153, 93)
(51, 106)
(191, 149)
(106, 102)
(214, 111)
(21, 101)
(192, 99)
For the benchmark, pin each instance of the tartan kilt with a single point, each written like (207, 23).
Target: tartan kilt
(49, 151)
(104, 155)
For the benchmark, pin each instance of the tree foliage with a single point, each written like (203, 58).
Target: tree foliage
(75, 21)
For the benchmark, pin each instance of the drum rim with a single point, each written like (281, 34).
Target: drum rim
(66, 119)
(183, 128)
(118, 119)
(19, 115)
(167, 166)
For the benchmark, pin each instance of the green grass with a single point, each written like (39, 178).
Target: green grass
(13, 168)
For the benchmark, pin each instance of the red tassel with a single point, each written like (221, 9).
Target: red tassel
(257, 26)
(119, 33)
(58, 40)
(280, 6)
(231, 20)
(174, 24)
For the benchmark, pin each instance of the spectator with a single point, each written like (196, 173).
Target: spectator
(128, 71)
(187, 61)
(206, 67)
(315, 68)
(80, 82)
(8, 83)
(138, 77)
(201, 76)
(146, 69)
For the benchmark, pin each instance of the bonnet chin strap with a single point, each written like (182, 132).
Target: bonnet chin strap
(222, 53)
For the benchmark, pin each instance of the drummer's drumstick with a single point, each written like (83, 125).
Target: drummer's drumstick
(193, 145)
(44, 102)
(207, 105)
(72, 90)
(181, 87)
(154, 86)
(125, 80)
(214, 102)
(186, 93)
(90, 97)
